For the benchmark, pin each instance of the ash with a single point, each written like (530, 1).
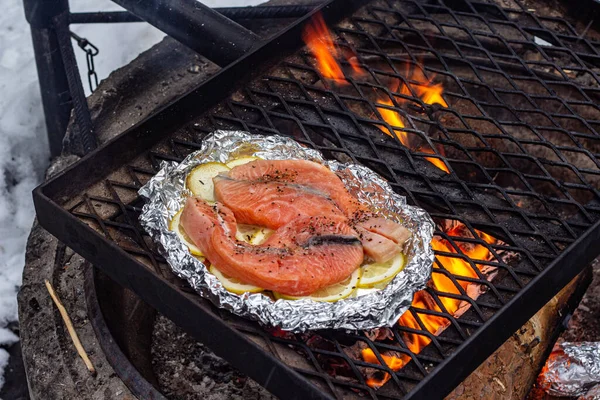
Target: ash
(186, 369)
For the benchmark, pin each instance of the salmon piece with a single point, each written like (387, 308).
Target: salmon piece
(307, 254)
(386, 228)
(270, 204)
(302, 172)
(379, 248)
(325, 181)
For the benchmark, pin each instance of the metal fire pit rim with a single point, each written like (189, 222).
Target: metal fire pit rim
(129, 374)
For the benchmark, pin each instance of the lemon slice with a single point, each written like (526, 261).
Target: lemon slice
(232, 284)
(252, 234)
(175, 226)
(200, 180)
(241, 161)
(260, 236)
(377, 275)
(331, 293)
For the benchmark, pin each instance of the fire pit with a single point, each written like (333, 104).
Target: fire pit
(481, 114)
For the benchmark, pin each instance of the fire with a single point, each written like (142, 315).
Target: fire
(430, 94)
(319, 41)
(422, 300)
(321, 44)
(394, 120)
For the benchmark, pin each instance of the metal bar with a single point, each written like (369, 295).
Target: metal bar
(196, 26)
(54, 87)
(103, 17)
(127, 371)
(233, 13)
(265, 12)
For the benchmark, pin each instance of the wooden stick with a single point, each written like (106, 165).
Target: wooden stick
(70, 328)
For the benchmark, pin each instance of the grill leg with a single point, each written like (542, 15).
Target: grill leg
(54, 87)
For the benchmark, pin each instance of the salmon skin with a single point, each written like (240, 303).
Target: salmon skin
(381, 238)
(304, 255)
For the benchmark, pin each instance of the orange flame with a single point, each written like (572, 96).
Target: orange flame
(435, 324)
(320, 42)
(430, 94)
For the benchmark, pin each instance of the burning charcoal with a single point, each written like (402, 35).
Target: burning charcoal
(380, 334)
(334, 366)
(280, 333)
(572, 369)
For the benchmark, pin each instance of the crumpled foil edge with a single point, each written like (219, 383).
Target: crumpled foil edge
(166, 194)
(572, 370)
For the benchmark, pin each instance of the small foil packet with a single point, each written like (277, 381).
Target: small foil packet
(166, 195)
(573, 369)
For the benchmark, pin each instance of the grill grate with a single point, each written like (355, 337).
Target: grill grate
(519, 137)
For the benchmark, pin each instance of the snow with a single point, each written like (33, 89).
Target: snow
(24, 152)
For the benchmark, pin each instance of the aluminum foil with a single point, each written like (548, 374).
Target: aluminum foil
(572, 369)
(166, 194)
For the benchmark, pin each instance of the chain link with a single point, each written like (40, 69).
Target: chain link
(90, 52)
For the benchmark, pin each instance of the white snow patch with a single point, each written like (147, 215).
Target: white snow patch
(3, 364)
(24, 152)
(23, 157)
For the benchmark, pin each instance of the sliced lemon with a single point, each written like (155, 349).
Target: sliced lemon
(252, 234)
(377, 275)
(234, 285)
(200, 179)
(260, 236)
(241, 161)
(331, 293)
(175, 226)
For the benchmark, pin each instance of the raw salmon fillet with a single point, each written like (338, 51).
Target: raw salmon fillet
(381, 238)
(301, 257)
(270, 204)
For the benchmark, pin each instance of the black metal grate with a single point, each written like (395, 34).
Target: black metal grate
(519, 137)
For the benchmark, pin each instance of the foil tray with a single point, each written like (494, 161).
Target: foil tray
(166, 193)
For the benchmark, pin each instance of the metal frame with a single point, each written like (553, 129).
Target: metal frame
(172, 300)
(209, 32)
